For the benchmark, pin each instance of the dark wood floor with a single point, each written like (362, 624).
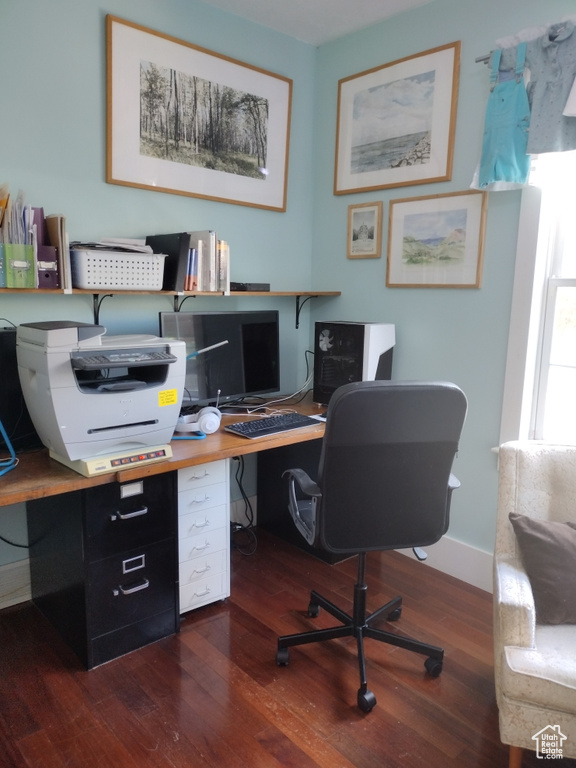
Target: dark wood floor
(213, 697)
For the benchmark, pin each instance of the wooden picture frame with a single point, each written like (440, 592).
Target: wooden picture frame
(364, 231)
(188, 121)
(396, 122)
(437, 241)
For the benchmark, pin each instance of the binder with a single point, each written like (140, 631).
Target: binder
(175, 247)
(2, 272)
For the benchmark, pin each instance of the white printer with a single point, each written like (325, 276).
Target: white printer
(100, 403)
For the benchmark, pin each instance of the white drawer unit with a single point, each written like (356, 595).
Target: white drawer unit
(203, 474)
(204, 534)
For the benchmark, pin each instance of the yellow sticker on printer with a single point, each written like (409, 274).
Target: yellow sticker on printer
(167, 397)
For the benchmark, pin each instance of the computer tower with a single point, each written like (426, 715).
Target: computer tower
(13, 412)
(346, 352)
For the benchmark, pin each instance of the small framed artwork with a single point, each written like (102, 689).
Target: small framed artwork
(364, 231)
(396, 122)
(436, 241)
(185, 120)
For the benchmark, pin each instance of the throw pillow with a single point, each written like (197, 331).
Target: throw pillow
(548, 550)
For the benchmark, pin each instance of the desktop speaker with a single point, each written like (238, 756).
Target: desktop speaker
(346, 352)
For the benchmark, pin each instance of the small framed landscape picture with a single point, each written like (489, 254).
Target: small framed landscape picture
(436, 241)
(364, 231)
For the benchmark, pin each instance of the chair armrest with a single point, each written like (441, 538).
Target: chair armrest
(303, 513)
(304, 481)
(515, 614)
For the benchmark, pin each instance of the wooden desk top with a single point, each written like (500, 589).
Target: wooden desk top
(38, 476)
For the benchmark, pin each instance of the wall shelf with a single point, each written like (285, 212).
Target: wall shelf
(98, 295)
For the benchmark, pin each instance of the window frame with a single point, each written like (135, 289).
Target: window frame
(536, 283)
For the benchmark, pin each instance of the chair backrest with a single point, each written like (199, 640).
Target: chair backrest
(386, 463)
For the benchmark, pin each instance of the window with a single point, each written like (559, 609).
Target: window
(542, 344)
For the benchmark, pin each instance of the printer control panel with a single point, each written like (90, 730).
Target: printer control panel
(92, 361)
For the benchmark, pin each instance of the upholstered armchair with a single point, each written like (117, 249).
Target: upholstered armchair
(535, 598)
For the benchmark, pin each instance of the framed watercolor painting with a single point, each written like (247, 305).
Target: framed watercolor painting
(436, 241)
(187, 121)
(364, 231)
(396, 122)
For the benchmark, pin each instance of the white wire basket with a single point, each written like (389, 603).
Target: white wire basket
(116, 270)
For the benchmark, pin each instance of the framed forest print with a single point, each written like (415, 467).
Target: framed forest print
(396, 122)
(436, 241)
(185, 120)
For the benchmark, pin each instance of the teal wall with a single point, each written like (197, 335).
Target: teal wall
(455, 334)
(52, 56)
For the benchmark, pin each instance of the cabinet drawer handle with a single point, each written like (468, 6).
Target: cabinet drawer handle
(201, 501)
(202, 594)
(144, 584)
(199, 525)
(199, 477)
(201, 548)
(127, 515)
(202, 570)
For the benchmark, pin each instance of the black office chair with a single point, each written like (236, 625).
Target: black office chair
(384, 482)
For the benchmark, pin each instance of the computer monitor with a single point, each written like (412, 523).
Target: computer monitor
(246, 365)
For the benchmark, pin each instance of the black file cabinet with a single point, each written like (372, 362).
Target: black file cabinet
(104, 565)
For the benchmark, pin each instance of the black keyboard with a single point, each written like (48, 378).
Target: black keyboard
(271, 425)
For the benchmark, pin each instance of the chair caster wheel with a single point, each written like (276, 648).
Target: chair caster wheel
(313, 610)
(394, 615)
(282, 657)
(366, 700)
(433, 667)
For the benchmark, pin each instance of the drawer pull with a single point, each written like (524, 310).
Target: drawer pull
(127, 515)
(202, 594)
(199, 477)
(201, 501)
(202, 547)
(200, 571)
(144, 584)
(203, 524)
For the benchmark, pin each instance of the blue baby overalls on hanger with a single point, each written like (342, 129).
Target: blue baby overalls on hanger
(506, 125)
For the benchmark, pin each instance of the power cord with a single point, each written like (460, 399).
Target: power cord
(13, 543)
(243, 537)
(7, 464)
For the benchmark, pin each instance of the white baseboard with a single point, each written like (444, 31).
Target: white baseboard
(14, 583)
(464, 562)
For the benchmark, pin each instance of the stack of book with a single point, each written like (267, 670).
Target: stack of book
(195, 261)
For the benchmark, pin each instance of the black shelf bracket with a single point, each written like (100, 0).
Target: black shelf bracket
(97, 300)
(299, 305)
